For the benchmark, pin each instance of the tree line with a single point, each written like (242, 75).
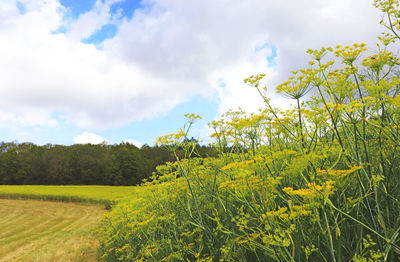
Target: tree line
(81, 164)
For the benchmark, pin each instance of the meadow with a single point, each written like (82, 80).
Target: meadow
(104, 195)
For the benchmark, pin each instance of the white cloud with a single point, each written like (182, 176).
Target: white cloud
(88, 138)
(168, 51)
(134, 142)
(208, 41)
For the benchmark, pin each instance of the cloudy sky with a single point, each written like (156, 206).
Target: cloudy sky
(77, 71)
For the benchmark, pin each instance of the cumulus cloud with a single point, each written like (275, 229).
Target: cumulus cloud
(88, 138)
(170, 50)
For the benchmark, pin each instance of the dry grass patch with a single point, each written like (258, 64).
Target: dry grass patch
(33, 230)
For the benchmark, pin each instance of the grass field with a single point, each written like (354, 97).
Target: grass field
(106, 195)
(32, 230)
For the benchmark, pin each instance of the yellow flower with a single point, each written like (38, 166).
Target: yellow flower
(314, 190)
(338, 173)
(350, 53)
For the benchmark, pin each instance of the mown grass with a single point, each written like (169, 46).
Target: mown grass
(32, 230)
(49, 231)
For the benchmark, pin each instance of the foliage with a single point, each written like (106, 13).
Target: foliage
(120, 164)
(318, 182)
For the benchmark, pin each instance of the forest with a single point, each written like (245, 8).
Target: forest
(81, 164)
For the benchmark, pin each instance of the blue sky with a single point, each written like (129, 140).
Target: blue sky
(82, 71)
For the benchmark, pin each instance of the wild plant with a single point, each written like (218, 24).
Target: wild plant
(319, 182)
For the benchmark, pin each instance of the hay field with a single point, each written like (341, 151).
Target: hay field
(32, 230)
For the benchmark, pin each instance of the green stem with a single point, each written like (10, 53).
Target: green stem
(300, 123)
(362, 224)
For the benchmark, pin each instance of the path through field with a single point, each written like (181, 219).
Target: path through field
(48, 231)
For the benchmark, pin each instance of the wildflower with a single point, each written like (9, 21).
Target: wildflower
(254, 80)
(376, 61)
(295, 88)
(317, 54)
(337, 174)
(314, 190)
(350, 53)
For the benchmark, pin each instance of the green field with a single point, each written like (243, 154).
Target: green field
(32, 230)
(106, 195)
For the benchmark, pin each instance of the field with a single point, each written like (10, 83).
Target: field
(48, 230)
(32, 230)
(106, 195)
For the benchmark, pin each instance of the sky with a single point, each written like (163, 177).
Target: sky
(88, 71)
